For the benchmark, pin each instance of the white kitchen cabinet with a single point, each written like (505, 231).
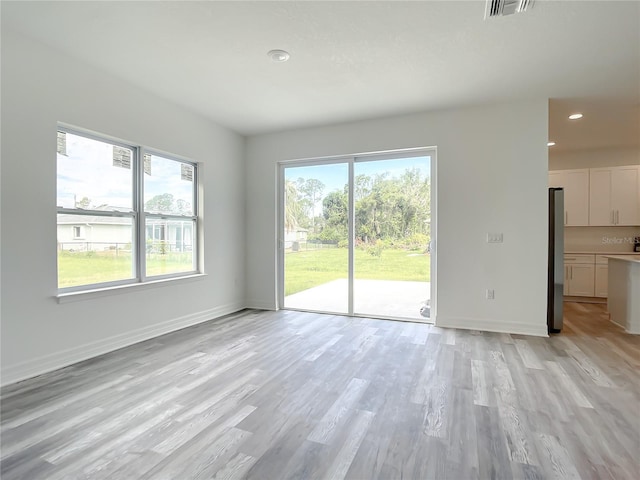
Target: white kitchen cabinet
(581, 280)
(602, 281)
(580, 275)
(614, 196)
(576, 195)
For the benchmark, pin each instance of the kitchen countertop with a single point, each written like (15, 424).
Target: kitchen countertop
(575, 252)
(627, 258)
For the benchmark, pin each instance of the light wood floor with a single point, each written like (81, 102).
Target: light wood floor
(279, 395)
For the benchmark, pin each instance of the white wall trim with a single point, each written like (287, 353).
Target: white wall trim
(489, 325)
(261, 305)
(54, 361)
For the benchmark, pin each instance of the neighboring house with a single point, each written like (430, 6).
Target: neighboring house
(294, 234)
(97, 233)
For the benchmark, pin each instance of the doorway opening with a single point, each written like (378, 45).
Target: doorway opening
(357, 235)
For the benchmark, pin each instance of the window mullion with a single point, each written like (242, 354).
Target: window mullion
(141, 249)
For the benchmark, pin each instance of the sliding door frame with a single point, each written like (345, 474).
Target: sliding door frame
(351, 160)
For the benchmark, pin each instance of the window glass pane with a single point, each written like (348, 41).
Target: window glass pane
(168, 186)
(316, 237)
(170, 245)
(93, 174)
(94, 249)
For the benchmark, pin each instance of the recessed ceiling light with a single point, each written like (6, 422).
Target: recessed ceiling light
(550, 144)
(279, 55)
(575, 116)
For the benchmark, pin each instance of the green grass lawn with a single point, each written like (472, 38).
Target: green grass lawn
(307, 269)
(303, 270)
(82, 268)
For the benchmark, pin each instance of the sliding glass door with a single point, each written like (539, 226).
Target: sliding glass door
(315, 237)
(392, 236)
(355, 235)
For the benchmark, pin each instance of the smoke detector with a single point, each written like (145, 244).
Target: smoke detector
(278, 56)
(498, 8)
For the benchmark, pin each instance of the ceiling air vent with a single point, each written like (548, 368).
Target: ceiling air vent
(497, 8)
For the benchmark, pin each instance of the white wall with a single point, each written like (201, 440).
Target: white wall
(39, 88)
(492, 177)
(595, 158)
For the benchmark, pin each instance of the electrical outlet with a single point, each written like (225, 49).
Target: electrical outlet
(494, 237)
(491, 294)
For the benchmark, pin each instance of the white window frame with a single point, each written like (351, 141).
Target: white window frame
(138, 216)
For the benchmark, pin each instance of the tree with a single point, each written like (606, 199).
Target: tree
(292, 207)
(160, 204)
(83, 203)
(391, 208)
(311, 189)
(362, 186)
(183, 207)
(335, 212)
(166, 203)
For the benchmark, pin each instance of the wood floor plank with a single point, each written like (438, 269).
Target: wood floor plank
(342, 462)
(11, 446)
(529, 358)
(462, 439)
(341, 409)
(493, 456)
(236, 468)
(557, 458)
(266, 395)
(568, 386)
(481, 387)
(312, 357)
(61, 403)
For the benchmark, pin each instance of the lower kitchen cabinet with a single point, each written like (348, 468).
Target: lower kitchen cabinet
(581, 280)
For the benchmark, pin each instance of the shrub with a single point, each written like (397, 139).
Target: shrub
(375, 249)
(417, 241)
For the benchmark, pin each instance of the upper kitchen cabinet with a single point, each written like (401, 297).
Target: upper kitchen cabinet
(576, 195)
(614, 196)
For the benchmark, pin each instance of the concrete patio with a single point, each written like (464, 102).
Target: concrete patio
(376, 298)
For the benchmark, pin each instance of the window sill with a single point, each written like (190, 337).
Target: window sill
(132, 287)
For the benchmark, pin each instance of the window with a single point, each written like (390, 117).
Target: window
(125, 214)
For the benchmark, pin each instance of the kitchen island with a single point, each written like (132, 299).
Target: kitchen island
(624, 292)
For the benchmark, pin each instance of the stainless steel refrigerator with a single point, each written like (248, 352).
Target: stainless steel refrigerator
(555, 285)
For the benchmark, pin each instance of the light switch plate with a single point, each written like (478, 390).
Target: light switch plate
(494, 238)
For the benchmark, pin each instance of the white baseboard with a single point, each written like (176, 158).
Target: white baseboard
(260, 305)
(54, 361)
(489, 325)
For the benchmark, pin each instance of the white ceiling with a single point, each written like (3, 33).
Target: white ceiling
(353, 60)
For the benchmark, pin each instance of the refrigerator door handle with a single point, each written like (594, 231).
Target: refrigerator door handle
(613, 217)
(566, 217)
